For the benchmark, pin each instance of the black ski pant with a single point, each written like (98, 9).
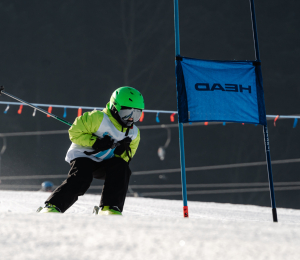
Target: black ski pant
(114, 171)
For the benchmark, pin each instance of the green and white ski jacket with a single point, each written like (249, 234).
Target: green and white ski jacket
(99, 123)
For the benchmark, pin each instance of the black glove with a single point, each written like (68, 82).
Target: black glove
(124, 145)
(101, 144)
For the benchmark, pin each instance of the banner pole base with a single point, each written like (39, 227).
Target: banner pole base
(185, 211)
(274, 212)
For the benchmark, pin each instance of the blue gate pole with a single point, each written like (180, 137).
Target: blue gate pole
(266, 134)
(180, 125)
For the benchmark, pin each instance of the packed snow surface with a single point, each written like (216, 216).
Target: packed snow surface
(148, 229)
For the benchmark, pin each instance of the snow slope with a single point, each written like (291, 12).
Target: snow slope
(149, 229)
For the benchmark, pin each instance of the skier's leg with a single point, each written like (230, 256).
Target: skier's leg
(116, 182)
(79, 180)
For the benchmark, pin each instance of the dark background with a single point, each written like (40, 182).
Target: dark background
(79, 52)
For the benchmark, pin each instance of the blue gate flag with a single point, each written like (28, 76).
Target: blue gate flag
(222, 91)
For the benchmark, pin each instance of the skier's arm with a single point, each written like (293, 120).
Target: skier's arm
(84, 126)
(133, 146)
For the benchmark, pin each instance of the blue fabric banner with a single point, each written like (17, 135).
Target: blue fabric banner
(225, 91)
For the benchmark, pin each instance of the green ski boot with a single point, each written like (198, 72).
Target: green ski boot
(49, 208)
(108, 210)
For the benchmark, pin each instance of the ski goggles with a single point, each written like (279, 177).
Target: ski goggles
(134, 113)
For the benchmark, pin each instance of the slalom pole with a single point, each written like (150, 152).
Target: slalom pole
(180, 125)
(265, 127)
(35, 107)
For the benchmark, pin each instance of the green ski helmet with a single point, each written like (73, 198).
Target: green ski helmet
(127, 97)
(126, 105)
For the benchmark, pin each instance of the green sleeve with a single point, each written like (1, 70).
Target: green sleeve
(133, 146)
(84, 126)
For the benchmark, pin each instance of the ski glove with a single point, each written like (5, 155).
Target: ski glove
(101, 144)
(124, 145)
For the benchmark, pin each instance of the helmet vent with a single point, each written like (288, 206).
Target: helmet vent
(131, 92)
(130, 99)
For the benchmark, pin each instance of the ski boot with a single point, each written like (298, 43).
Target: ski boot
(107, 210)
(49, 208)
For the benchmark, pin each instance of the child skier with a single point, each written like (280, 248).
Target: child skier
(103, 143)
